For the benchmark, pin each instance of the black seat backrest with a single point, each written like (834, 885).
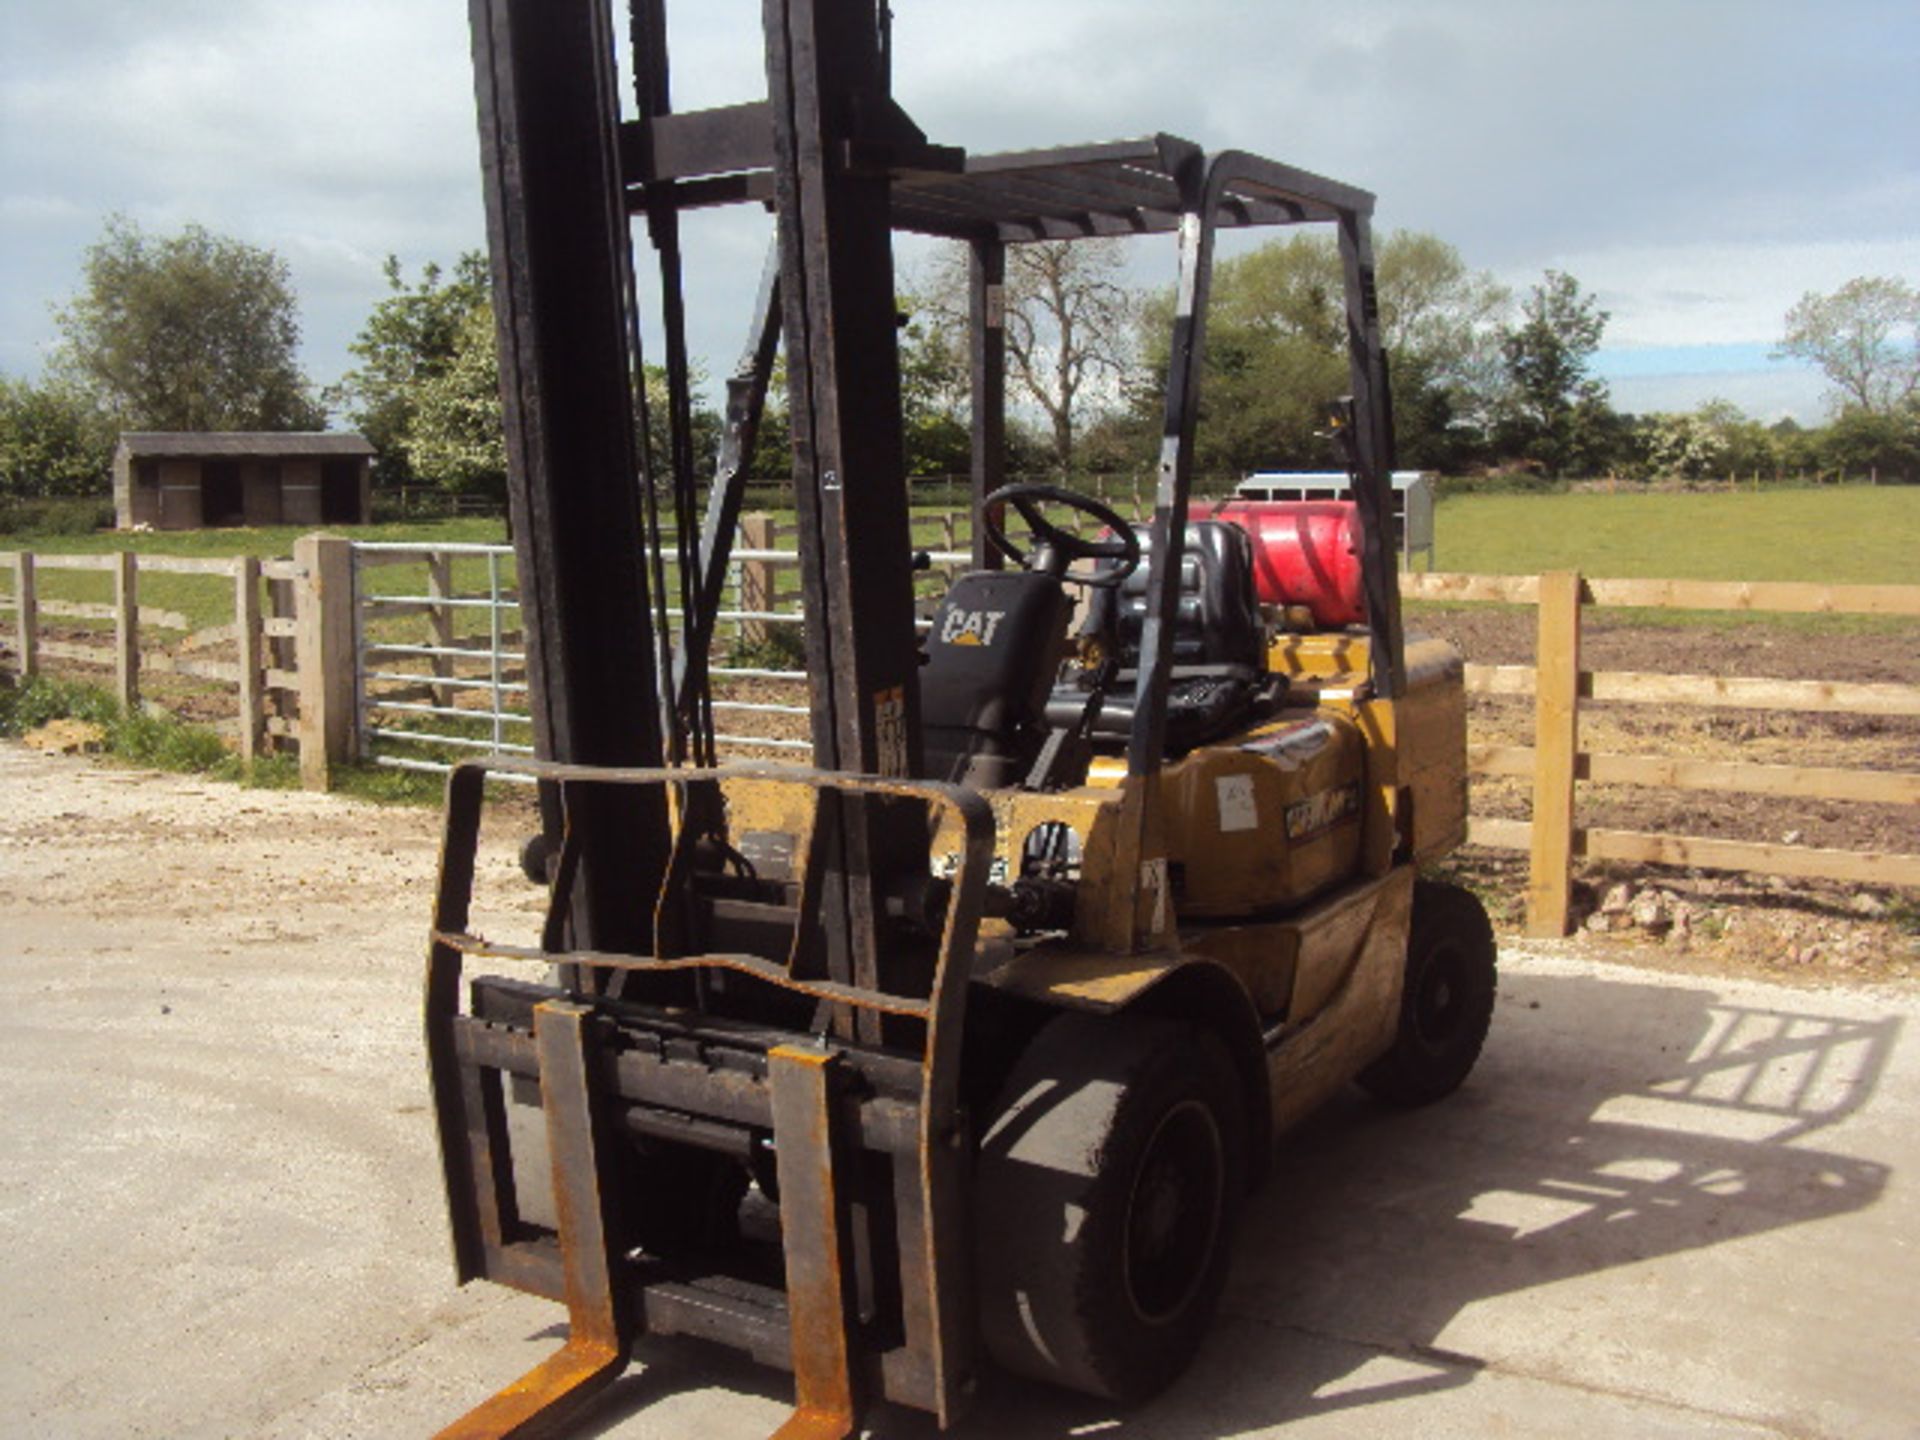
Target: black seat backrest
(1219, 669)
(1217, 619)
(991, 657)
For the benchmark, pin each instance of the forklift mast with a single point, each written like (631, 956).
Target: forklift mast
(841, 166)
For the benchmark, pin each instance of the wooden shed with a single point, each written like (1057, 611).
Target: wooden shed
(174, 480)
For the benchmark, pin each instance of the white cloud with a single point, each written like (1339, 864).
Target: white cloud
(1698, 166)
(1725, 292)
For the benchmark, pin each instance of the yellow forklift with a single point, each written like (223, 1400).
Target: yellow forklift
(965, 1042)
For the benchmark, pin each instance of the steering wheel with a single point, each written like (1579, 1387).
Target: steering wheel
(1063, 546)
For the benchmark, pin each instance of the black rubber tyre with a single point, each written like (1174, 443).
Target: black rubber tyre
(1109, 1180)
(1447, 1003)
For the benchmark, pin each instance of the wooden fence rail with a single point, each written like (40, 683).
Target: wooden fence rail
(1559, 686)
(260, 627)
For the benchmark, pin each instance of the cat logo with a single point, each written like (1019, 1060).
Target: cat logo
(971, 627)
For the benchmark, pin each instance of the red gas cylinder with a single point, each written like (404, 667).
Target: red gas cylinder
(1305, 552)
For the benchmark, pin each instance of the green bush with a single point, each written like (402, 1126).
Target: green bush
(1497, 482)
(160, 741)
(783, 648)
(55, 517)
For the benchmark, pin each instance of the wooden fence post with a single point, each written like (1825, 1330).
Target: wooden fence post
(325, 620)
(756, 576)
(440, 622)
(1556, 747)
(126, 629)
(246, 633)
(27, 614)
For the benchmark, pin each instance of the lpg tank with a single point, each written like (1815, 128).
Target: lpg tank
(1305, 552)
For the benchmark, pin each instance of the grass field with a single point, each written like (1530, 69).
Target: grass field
(1856, 535)
(1850, 535)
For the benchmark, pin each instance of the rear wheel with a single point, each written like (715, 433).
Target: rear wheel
(1109, 1180)
(1447, 1002)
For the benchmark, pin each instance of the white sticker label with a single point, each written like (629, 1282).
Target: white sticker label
(890, 730)
(1153, 880)
(1237, 808)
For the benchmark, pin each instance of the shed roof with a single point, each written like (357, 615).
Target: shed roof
(227, 444)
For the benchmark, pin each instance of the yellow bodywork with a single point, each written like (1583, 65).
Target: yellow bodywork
(1283, 857)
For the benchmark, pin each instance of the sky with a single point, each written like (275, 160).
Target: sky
(1698, 166)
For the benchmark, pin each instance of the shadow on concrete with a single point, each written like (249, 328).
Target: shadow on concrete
(1610, 1122)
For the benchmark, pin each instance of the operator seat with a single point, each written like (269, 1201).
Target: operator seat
(1219, 650)
(990, 660)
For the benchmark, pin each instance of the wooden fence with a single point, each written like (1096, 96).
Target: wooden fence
(1554, 838)
(291, 637)
(281, 609)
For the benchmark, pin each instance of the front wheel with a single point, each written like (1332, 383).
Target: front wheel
(1109, 1180)
(1446, 1005)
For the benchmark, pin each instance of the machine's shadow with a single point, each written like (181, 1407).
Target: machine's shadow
(1379, 1227)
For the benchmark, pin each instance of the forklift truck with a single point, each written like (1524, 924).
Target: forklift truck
(965, 1042)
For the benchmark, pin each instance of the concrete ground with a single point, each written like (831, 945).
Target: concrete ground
(1665, 1205)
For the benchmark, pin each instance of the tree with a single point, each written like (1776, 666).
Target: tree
(1556, 413)
(409, 341)
(1070, 327)
(455, 436)
(1275, 356)
(1865, 337)
(1440, 322)
(53, 441)
(1863, 442)
(1277, 350)
(935, 391)
(193, 331)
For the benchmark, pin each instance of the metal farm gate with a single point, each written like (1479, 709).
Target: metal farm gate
(440, 667)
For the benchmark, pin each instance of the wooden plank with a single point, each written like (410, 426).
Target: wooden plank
(191, 564)
(279, 627)
(440, 620)
(85, 654)
(213, 634)
(280, 727)
(99, 610)
(1800, 782)
(1759, 596)
(1499, 834)
(248, 641)
(1630, 687)
(1498, 679)
(78, 609)
(326, 659)
(1645, 848)
(26, 613)
(166, 664)
(1444, 585)
(126, 628)
(108, 563)
(1556, 738)
(1748, 693)
(279, 569)
(1697, 852)
(281, 683)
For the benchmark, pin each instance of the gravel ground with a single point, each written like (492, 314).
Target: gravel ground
(1666, 1205)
